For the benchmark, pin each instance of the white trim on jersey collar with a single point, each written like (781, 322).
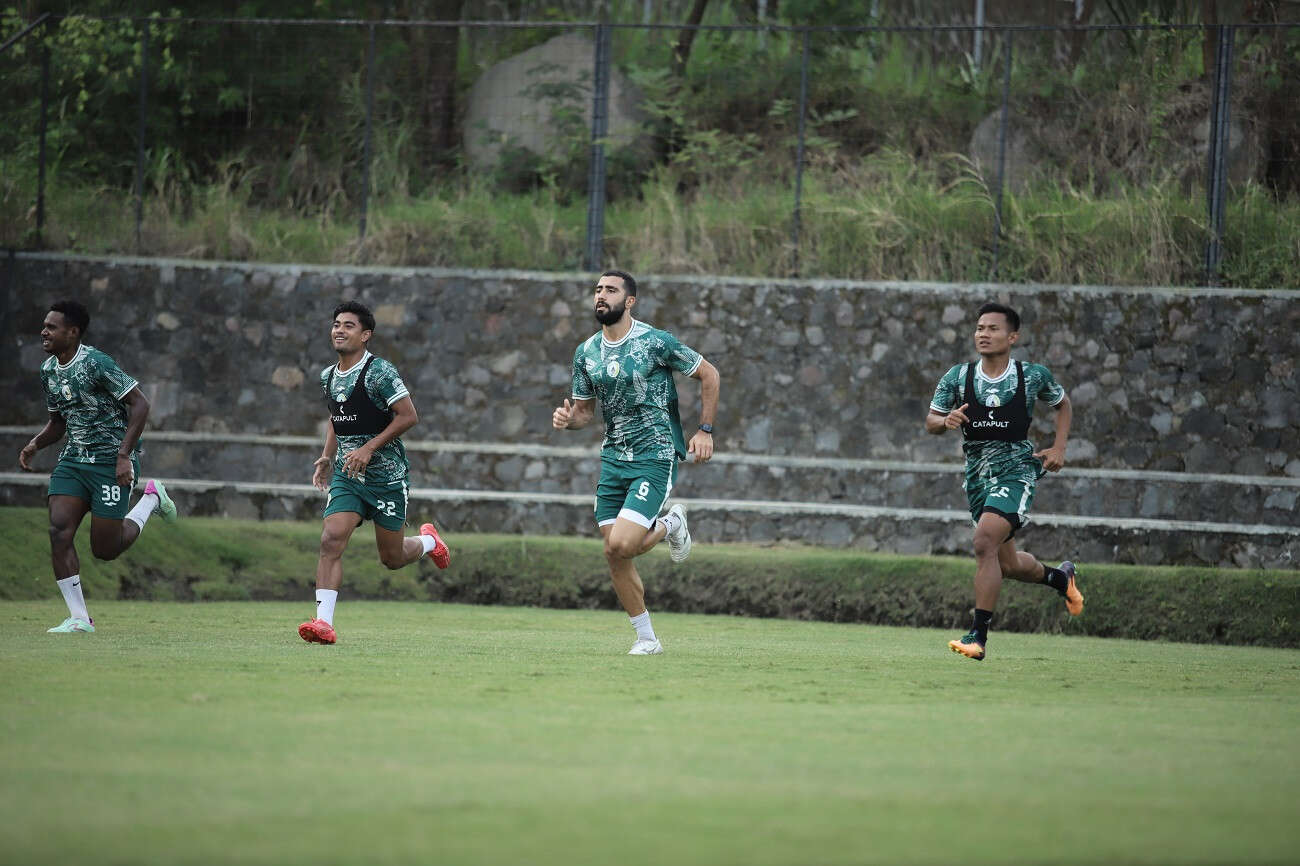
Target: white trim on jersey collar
(81, 353)
(364, 356)
(979, 371)
(630, 332)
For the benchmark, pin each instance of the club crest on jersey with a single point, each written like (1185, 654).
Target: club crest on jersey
(992, 402)
(66, 391)
(612, 369)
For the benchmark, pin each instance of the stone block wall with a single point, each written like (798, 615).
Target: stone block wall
(1194, 380)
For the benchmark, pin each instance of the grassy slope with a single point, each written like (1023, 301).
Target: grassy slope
(884, 220)
(212, 559)
(457, 734)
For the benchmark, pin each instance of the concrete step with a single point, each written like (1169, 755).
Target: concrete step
(730, 476)
(894, 529)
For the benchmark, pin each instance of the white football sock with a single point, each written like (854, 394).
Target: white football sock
(325, 600)
(140, 513)
(429, 543)
(71, 589)
(641, 623)
(671, 522)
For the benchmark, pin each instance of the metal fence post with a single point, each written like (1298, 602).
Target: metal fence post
(596, 166)
(8, 291)
(1218, 144)
(40, 152)
(798, 159)
(1002, 151)
(140, 129)
(370, 111)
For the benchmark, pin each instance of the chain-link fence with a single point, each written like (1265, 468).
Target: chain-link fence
(1107, 154)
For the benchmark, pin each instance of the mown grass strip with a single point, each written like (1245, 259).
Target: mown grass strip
(212, 559)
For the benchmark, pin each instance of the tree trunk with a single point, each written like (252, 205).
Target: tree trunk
(1209, 44)
(682, 50)
(1079, 37)
(433, 54)
(1279, 124)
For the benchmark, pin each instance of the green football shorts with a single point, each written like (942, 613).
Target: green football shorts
(633, 489)
(384, 503)
(95, 483)
(1009, 497)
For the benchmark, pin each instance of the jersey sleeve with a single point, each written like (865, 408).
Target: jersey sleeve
(678, 356)
(582, 386)
(111, 377)
(50, 404)
(384, 384)
(1045, 385)
(947, 392)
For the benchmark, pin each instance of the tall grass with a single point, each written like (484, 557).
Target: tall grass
(885, 217)
(887, 193)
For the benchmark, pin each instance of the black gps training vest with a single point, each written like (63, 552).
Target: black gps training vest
(1009, 423)
(358, 415)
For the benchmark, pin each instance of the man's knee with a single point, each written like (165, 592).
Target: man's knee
(620, 548)
(392, 561)
(63, 537)
(332, 544)
(105, 550)
(1022, 567)
(1009, 563)
(987, 541)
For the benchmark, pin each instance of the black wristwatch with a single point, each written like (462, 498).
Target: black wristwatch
(707, 428)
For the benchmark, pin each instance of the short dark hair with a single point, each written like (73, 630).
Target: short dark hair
(628, 282)
(73, 313)
(1013, 318)
(358, 309)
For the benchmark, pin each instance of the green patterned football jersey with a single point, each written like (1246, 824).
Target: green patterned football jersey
(633, 379)
(88, 392)
(988, 459)
(385, 387)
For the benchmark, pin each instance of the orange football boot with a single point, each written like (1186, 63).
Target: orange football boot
(1073, 598)
(317, 631)
(441, 554)
(969, 646)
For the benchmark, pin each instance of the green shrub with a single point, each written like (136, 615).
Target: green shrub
(209, 559)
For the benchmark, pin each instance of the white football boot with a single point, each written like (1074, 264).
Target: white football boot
(646, 648)
(679, 542)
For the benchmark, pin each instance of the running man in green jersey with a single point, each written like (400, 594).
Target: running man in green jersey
(992, 401)
(363, 466)
(102, 411)
(629, 366)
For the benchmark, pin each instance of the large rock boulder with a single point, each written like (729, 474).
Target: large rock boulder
(1242, 161)
(1023, 155)
(540, 101)
(1040, 149)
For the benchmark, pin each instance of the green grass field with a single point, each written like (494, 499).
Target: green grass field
(205, 733)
